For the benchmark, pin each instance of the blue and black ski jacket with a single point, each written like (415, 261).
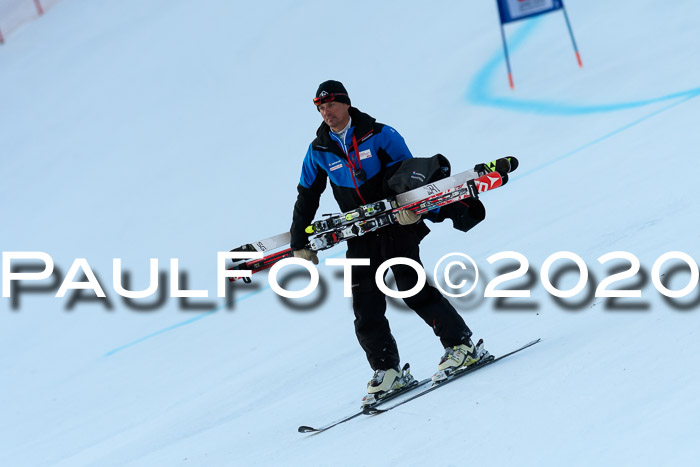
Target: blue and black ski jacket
(357, 169)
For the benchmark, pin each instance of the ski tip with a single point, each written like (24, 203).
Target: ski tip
(307, 429)
(513, 163)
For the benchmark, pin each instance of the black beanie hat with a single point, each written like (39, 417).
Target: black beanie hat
(340, 94)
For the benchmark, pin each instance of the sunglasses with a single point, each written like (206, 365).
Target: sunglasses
(327, 98)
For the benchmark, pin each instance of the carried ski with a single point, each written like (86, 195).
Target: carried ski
(427, 197)
(268, 244)
(376, 410)
(409, 199)
(338, 228)
(257, 265)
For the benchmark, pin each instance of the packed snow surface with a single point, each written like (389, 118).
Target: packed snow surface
(176, 129)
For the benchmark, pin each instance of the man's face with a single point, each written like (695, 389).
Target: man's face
(335, 114)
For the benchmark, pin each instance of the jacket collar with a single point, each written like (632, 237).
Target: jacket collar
(361, 122)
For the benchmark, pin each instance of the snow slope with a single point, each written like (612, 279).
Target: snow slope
(140, 130)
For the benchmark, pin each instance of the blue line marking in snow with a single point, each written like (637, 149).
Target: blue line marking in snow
(598, 140)
(480, 89)
(191, 320)
(178, 325)
(480, 93)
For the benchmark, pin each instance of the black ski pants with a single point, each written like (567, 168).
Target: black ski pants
(369, 303)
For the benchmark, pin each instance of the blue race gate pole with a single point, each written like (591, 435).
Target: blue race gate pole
(571, 33)
(505, 51)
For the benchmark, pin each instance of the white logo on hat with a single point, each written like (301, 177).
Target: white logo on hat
(323, 94)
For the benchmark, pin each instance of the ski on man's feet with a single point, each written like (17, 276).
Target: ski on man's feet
(450, 378)
(415, 384)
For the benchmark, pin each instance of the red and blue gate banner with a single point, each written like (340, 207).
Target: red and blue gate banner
(515, 10)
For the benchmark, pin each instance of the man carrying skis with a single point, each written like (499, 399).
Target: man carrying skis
(355, 153)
